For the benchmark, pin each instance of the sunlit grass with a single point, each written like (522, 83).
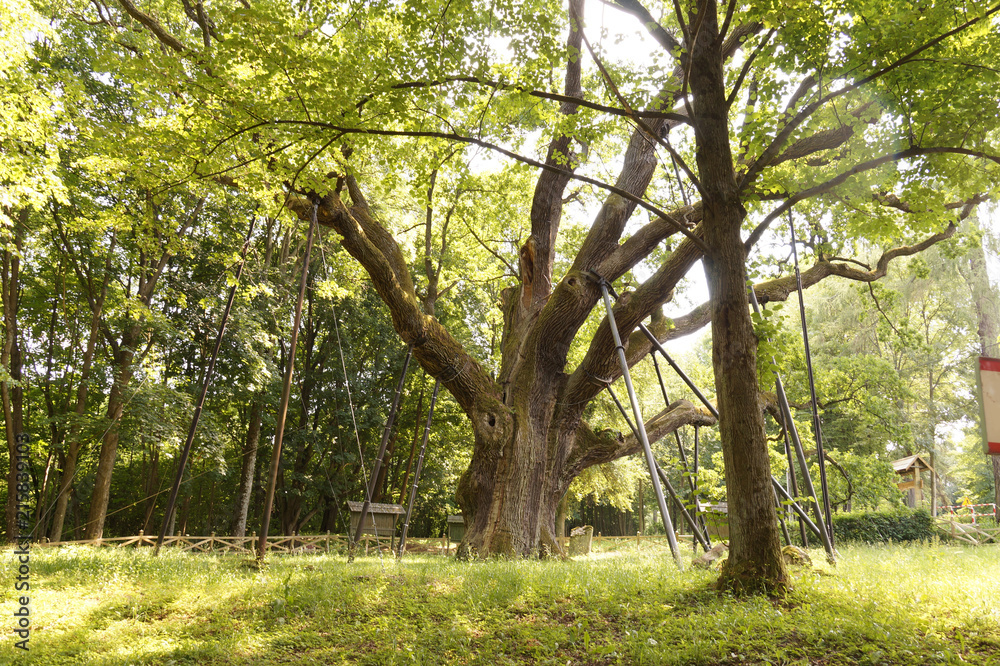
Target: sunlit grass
(893, 605)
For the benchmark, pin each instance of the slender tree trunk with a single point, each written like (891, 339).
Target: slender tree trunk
(754, 563)
(152, 487)
(11, 393)
(243, 494)
(109, 444)
(73, 441)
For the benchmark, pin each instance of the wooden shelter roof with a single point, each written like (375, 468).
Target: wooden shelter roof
(375, 507)
(910, 463)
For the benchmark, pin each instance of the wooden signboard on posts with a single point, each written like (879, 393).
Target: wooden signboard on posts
(988, 379)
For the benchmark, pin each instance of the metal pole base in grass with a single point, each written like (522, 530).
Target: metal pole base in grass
(640, 427)
(279, 428)
(416, 473)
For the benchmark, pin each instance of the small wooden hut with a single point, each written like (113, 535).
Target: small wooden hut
(381, 519)
(456, 528)
(716, 518)
(911, 469)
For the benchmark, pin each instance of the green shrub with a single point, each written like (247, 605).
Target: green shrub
(897, 525)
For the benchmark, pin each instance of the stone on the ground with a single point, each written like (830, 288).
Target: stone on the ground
(706, 560)
(795, 556)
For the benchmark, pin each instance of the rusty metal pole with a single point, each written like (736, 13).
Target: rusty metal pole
(386, 432)
(186, 452)
(286, 391)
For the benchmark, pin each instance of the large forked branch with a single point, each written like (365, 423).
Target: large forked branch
(546, 205)
(587, 380)
(440, 355)
(779, 289)
(595, 448)
(600, 365)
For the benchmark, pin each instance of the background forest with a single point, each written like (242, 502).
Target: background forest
(117, 262)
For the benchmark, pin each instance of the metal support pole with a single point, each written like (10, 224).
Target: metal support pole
(697, 500)
(817, 430)
(666, 401)
(695, 530)
(386, 432)
(286, 392)
(416, 472)
(786, 414)
(209, 372)
(687, 380)
(700, 538)
(797, 508)
(784, 527)
(641, 428)
(794, 485)
(692, 481)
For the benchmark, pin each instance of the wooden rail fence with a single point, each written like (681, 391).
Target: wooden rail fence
(307, 543)
(967, 532)
(297, 544)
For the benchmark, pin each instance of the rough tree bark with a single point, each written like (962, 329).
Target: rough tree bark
(754, 563)
(243, 493)
(11, 393)
(530, 436)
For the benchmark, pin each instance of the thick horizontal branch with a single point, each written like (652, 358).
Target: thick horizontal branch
(779, 289)
(814, 143)
(592, 448)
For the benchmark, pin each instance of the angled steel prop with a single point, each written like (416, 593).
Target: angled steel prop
(640, 427)
(786, 415)
(416, 472)
(209, 372)
(386, 432)
(715, 412)
(692, 477)
(817, 430)
(699, 537)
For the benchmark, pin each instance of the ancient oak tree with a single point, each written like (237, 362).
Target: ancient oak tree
(690, 139)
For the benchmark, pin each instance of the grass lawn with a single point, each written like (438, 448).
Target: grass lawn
(891, 605)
